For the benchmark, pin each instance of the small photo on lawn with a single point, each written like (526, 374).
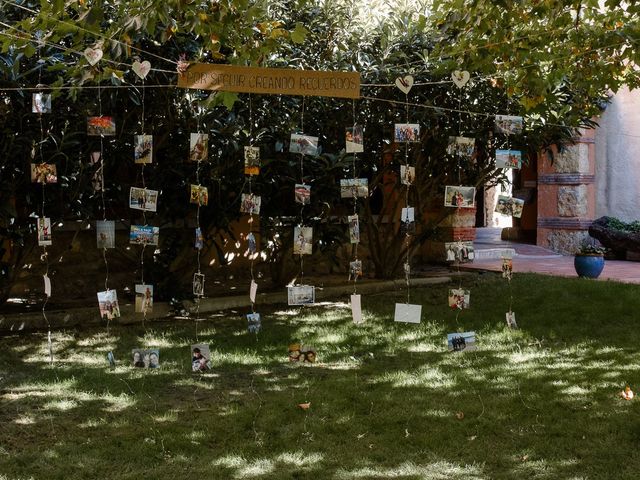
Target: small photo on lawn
(354, 228)
(105, 233)
(143, 199)
(355, 270)
(459, 197)
(144, 235)
(198, 284)
(200, 357)
(250, 203)
(303, 194)
(44, 173)
(303, 144)
(101, 126)
(145, 358)
(143, 149)
(457, 342)
(510, 206)
(461, 146)
(511, 320)
(508, 158)
(459, 298)
(199, 195)
(301, 294)
(199, 147)
(406, 132)
(251, 160)
(144, 298)
(108, 305)
(302, 240)
(459, 251)
(354, 139)
(508, 124)
(354, 187)
(41, 103)
(44, 231)
(407, 174)
(253, 322)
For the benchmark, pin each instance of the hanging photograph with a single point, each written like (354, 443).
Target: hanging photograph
(354, 228)
(459, 197)
(354, 187)
(198, 284)
(199, 195)
(510, 206)
(303, 144)
(511, 320)
(303, 194)
(105, 233)
(253, 322)
(301, 295)
(461, 146)
(251, 160)
(355, 270)
(108, 305)
(199, 147)
(507, 267)
(199, 243)
(44, 173)
(250, 203)
(508, 124)
(302, 240)
(101, 126)
(95, 158)
(144, 235)
(407, 313)
(408, 219)
(508, 159)
(41, 103)
(143, 199)
(200, 357)
(252, 246)
(47, 285)
(459, 298)
(143, 148)
(459, 251)
(407, 174)
(354, 139)
(44, 231)
(457, 342)
(253, 291)
(144, 298)
(356, 308)
(406, 132)
(145, 358)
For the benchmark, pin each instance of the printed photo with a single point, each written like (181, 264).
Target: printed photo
(406, 132)
(461, 146)
(105, 233)
(301, 294)
(511, 320)
(407, 217)
(509, 206)
(101, 126)
(303, 194)
(507, 267)
(198, 284)
(459, 251)
(303, 144)
(44, 231)
(407, 313)
(294, 352)
(457, 342)
(199, 195)
(145, 358)
(200, 357)
(407, 174)
(354, 139)
(108, 305)
(251, 160)
(351, 188)
(508, 124)
(508, 158)
(307, 354)
(355, 270)
(354, 228)
(44, 173)
(250, 203)
(459, 197)
(253, 322)
(252, 246)
(459, 298)
(199, 147)
(144, 235)
(41, 103)
(199, 243)
(143, 148)
(144, 298)
(302, 240)
(143, 199)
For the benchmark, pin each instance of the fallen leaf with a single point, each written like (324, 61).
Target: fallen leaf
(304, 406)
(459, 415)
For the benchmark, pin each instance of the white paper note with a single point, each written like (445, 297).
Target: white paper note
(47, 285)
(253, 289)
(408, 313)
(356, 308)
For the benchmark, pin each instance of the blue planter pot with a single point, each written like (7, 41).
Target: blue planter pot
(589, 266)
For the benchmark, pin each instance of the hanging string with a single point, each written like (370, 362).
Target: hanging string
(198, 228)
(407, 265)
(302, 182)
(251, 229)
(355, 195)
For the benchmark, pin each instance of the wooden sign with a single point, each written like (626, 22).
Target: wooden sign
(277, 81)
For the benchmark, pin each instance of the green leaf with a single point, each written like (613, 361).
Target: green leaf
(299, 33)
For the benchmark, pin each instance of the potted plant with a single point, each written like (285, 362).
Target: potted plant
(589, 260)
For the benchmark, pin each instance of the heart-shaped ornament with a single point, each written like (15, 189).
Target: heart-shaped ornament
(93, 55)
(404, 83)
(460, 78)
(141, 69)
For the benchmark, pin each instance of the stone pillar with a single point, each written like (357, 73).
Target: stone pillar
(566, 195)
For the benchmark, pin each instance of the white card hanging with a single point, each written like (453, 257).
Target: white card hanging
(47, 285)
(356, 308)
(404, 83)
(460, 77)
(407, 313)
(253, 290)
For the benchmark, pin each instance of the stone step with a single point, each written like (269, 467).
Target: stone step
(492, 253)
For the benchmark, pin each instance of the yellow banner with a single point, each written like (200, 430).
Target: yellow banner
(276, 81)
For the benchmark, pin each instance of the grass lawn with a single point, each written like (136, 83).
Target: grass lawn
(537, 403)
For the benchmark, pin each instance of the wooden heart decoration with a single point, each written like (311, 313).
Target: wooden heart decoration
(93, 55)
(404, 83)
(460, 78)
(141, 69)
